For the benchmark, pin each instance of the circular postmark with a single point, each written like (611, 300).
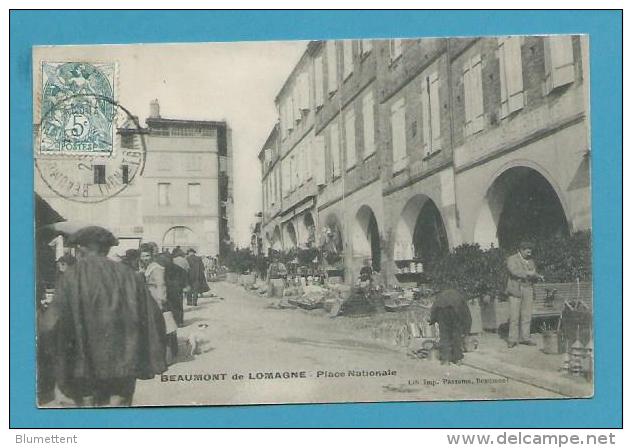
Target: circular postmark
(89, 147)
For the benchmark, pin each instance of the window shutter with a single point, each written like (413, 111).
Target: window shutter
(435, 112)
(476, 94)
(299, 166)
(467, 96)
(426, 144)
(285, 178)
(318, 159)
(304, 89)
(335, 149)
(350, 146)
(319, 86)
(514, 74)
(307, 154)
(296, 101)
(558, 61)
(368, 120)
(398, 127)
(332, 70)
(510, 53)
(347, 58)
(504, 97)
(289, 117)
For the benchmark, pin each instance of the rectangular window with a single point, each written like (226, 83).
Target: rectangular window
(276, 184)
(332, 66)
(303, 82)
(395, 48)
(430, 114)
(289, 115)
(296, 103)
(559, 63)
(511, 87)
(163, 193)
(125, 174)
(365, 46)
(319, 84)
(99, 174)
(127, 141)
(318, 159)
(286, 176)
(368, 120)
(398, 131)
(347, 58)
(334, 145)
(350, 141)
(473, 95)
(300, 167)
(307, 154)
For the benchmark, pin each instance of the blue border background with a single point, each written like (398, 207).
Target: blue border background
(30, 28)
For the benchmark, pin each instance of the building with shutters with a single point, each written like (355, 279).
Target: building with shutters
(183, 197)
(420, 145)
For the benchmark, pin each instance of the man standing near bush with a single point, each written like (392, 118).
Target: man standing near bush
(522, 275)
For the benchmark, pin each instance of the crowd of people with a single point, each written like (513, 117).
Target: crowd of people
(113, 322)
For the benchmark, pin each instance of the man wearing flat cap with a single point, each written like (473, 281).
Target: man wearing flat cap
(522, 275)
(110, 332)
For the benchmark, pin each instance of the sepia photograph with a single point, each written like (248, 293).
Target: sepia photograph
(323, 221)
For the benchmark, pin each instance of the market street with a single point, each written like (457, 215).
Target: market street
(327, 359)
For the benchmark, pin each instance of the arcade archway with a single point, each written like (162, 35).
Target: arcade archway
(179, 236)
(366, 237)
(520, 204)
(420, 232)
(290, 241)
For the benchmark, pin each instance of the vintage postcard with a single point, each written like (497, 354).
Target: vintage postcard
(313, 221)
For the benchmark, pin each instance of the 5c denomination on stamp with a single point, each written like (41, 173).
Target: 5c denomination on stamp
(89, 147)
(78, 108)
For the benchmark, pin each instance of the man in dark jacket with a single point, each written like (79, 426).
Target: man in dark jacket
(110, 332)
(176, 280)
(451, 312)
(197, 279)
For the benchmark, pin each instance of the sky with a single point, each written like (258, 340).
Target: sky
(236, 82)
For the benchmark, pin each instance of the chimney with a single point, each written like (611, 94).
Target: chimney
(154, 109)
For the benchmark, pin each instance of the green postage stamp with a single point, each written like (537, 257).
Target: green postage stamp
(78, 108)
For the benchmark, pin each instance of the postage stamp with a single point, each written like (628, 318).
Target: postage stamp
(91, 148)
(78, 108)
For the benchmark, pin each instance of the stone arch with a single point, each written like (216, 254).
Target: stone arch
(290, 237)
(276, 244)
(308, 230)
(366, 237)
(331, 233)
(179, 236)
(521, 202)
(420, 231)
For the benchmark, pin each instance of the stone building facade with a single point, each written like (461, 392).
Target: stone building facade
(417, 146)
(183, 196)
